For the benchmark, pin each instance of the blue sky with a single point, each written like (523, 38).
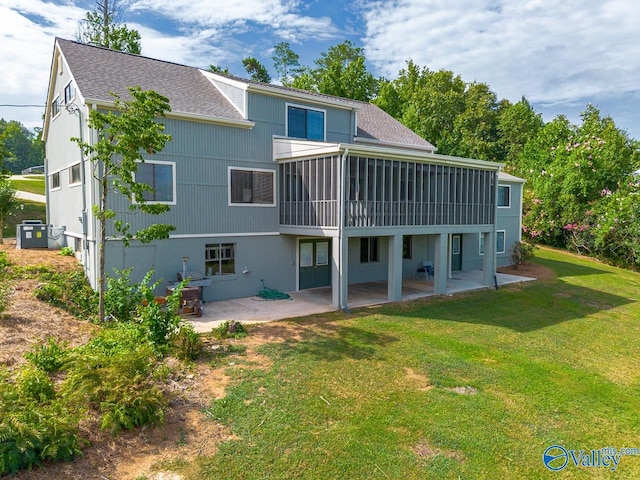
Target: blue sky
(560, 55)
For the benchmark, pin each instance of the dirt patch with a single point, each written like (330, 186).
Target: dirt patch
(529, 269)
(428, 452)
(420, 382)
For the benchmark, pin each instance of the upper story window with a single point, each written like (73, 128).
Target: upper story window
(54, 181)
(504, 196)
(254, 187)
(75, 174)
(55, 106)
(69, 93)
(305, 123)
(160, 176)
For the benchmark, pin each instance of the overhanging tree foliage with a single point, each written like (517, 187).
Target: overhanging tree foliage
(103, 28)
(123, 136)
(9, 202)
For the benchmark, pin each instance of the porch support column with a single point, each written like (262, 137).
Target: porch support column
(441, 253)
(394, 274)
(340, 272)
(489, 258)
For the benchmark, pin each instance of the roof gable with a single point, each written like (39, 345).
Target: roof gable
(99, 71)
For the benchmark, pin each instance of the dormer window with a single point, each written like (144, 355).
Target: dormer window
(305, 123)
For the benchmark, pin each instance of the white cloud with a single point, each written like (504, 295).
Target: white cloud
(549, 51)
(27, 31)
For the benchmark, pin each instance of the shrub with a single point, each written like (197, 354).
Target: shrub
(160, 321)
(68, 290)
(33, 382)
(520, 253)
(188, 343)
(229, 329)
(112, 372)
(122, 297)
(33, 431)
(67, 252)
(49, 355)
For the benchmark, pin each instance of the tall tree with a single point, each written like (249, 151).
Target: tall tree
(341, 71)
(517, 124)
(123, 136)
(256, 70)
(103, 28)
(25, 149)
(9, 202)
(218, 69)
(286, 62)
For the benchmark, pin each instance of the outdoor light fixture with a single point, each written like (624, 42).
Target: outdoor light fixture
(184, 267)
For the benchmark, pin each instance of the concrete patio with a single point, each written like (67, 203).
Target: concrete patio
(318, 300)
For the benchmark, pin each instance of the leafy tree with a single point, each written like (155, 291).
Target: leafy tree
(122, 137)
(256, 70)
(341, 71)
(568, 167)
(475, 128)
(23, 148)
(517, 124)
(103, 28)
(427, 102)
(286, 62)
(218, 69)
(9, 202)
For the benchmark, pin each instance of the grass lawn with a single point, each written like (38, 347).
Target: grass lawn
(31, 184)
(475, 386)
(31, 211)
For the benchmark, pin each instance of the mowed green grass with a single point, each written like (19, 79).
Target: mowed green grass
(29, 211)
(31, 184)
(372, 394)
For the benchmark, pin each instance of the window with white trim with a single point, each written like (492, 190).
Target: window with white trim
(305, 123)
(54, 181)
(504, 196)
(69, 93)
(55, 107)
(219, 259)
(161, 177)
(252, 187)
(500, 241)
(75, 174)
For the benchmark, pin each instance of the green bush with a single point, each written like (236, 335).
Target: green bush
(67, 252)
(187, 342)
(68, 290)
(33, 431)
(161, 320)
(112, 372)
(49, 355)
(229, 329)
(122, 298)
(33, 382)
(520, 253)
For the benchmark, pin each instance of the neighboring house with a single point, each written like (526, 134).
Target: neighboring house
(267, 183)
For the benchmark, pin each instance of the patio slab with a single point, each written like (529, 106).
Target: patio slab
(318, 300)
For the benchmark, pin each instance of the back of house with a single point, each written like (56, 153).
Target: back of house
(270, 185)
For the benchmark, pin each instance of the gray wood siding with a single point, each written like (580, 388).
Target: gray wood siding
(203, 153)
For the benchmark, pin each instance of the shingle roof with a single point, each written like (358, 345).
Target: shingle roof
(98, 71)
(376, 124)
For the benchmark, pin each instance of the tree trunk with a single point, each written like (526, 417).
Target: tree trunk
(101, 248)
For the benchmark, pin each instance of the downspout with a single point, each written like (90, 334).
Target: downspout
(341, 189)
(73, 108)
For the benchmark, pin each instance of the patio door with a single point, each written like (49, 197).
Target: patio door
(315, 269)
(456, 253)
